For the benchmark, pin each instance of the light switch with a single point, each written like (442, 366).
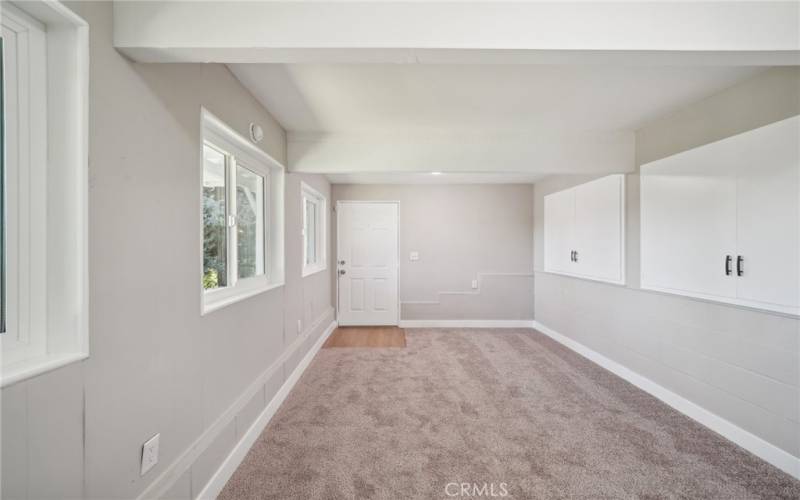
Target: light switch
(150, 454)
(413, 256)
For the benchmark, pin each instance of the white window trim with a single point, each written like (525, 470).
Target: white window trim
(26, 176)
(309, 193)
(65, 337)
(219, 134)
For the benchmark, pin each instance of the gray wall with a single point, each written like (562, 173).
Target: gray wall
(460, 231)
(156, 365)
(741, 364)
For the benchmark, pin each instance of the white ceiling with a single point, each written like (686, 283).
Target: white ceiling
(369, 98)
(469, 105)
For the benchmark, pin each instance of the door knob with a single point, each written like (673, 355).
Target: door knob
(342, 271)
(341, 262)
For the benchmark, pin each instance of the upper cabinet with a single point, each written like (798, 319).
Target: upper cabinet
(584, 230)
(722, 221)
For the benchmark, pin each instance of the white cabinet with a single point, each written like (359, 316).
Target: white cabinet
(584, 230)
(722, 221)
(688, 233)
(559, 212)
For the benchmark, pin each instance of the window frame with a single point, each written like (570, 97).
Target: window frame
(26, 176)
(239, 151)
(49, 218)
(309, 194)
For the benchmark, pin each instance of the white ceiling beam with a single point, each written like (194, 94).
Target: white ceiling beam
(534, 153)
(746, 33)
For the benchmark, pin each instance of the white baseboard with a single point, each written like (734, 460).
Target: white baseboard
(750, 442)
(466, 323)
(234, 459)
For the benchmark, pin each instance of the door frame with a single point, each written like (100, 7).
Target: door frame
(336, 263)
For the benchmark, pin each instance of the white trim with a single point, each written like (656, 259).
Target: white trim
(28, 368)
(223, 297)
(750, 442)
(186, 460)
(792, 312)
(222, 130)
(321, 238)
(466, 323)
(217, 482)
(67, 133)
(587, 278)
(53, 12)
(228, 142)
(26, 184)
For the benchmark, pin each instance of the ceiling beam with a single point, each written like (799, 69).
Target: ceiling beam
(647, 33)
(533, 153)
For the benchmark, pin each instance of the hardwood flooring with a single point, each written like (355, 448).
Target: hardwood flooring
(367, 336)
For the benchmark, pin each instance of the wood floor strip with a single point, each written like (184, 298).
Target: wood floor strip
(367, 336)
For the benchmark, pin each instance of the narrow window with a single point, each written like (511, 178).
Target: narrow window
(2, 197)
(314, 245)
(311, 232)
(24, 184)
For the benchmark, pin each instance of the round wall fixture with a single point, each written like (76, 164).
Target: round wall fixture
(256, 133)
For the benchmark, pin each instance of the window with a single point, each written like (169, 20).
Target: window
(314, 246)
(2, 202)
(43, 274)
(242, 231)
(237, 220)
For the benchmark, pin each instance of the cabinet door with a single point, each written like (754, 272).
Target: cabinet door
(559, 219)
(599, 228)
(768, 218)
(688, 223)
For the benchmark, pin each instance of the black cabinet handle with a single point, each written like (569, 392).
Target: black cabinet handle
(728, 260)
(739, 265)
(572, 255)
(576, 256)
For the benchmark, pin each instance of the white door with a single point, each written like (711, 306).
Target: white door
(768, 214)
(688, 228)
(599, 228)
(559, 222)
(367, 262)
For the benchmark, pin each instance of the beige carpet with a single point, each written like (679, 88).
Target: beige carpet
(485, 407)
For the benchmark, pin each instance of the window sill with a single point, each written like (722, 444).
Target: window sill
(23, 370)
(218, 299)
(308, 271)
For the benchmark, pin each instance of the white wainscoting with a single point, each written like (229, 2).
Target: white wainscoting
(173, 473)
(750, 442)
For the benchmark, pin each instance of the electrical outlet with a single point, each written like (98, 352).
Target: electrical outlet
(149, 454)
(299, 326)
(474, 284)
(413, 256)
